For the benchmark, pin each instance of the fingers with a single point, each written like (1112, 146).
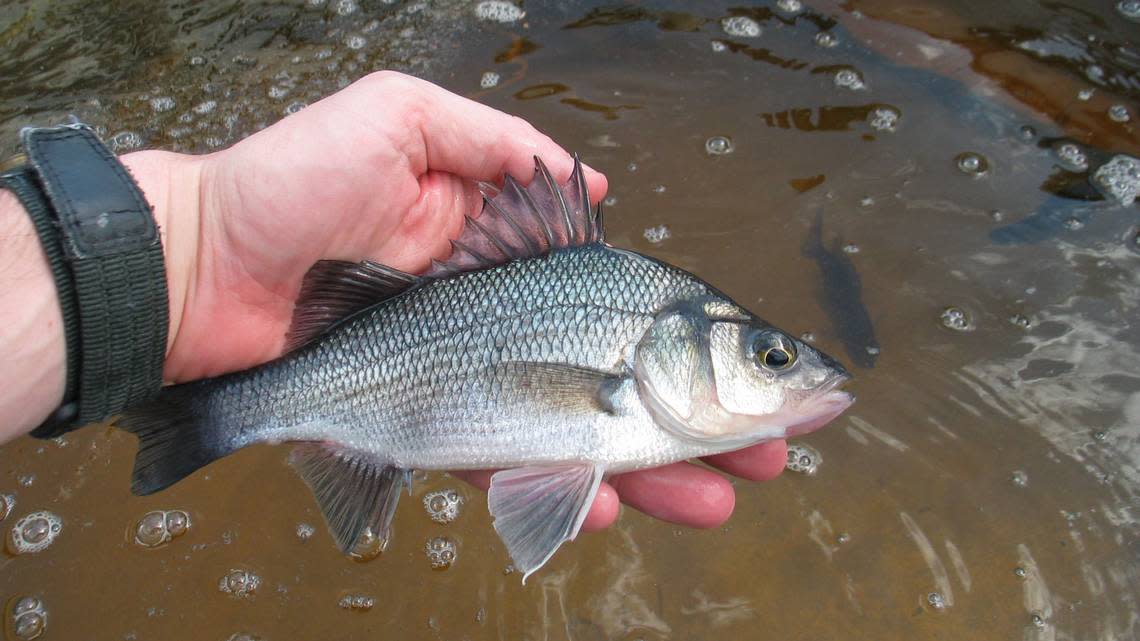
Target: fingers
(679, 493)
(762, 462)
(602, 514)
(471, 140)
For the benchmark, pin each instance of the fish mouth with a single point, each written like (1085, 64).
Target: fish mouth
(825, 405)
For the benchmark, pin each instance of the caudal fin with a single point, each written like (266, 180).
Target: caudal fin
(177, 436)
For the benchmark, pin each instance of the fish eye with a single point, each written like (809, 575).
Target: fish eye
(774, 351)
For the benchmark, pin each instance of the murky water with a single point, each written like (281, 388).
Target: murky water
(985, 485)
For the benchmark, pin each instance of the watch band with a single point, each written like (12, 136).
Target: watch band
(110, 243)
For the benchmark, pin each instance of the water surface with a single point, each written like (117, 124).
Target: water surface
(987, 480)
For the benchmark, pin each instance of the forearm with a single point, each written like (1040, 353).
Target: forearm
(32, 346)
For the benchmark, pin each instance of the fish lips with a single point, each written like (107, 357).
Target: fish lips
(827, 404)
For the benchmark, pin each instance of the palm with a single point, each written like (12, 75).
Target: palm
(385, 170)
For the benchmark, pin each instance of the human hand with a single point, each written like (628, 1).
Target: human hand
(385, 170)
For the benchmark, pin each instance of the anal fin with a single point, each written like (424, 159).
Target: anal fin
(538, 508)
(355, 493)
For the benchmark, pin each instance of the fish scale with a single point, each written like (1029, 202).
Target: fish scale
(402, 375)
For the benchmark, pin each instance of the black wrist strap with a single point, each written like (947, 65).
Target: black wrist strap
(110, 244)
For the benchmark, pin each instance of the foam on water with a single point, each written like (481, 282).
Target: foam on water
(443, 506)
(849, 79)
(803, 459)
(741, 27)
(1119, 179)
(490, 79)
(161, 526)
(498, 11)
(239, 583)
(34, 533)
(441, 552)
(28, 618)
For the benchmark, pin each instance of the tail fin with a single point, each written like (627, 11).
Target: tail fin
(177, 436)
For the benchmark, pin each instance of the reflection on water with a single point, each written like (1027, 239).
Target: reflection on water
(988, 478)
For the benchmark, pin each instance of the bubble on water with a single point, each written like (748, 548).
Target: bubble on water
(245, 636)
(34, 533)
(741, 27)
(294, 107)
(1019, 320)
(1019, 572)
(508, 569)
(936, 600)
(160, 526)
(866, 201)
(1119, 113)
(1037, 620)
(305, 531)
(883, 118)
(971, 163)
(27, 480)
(162, 103)
(345, 7)
(610, 201)
(719, 146)
(125, 141)
(1027, 133)
(490, 79)
(658, 189)
(205, 107)
(1084, 95)
(718, 46)
(239, 583)
(1100, 435)
(850, 248)
(1129, 9)
(790, 6)
(804, 459)
(956, 319)
(7, 504)
(1072, 157)
(1119, 179)
(368, 546)
(498, 11)
(360, 602)
(1072, 223)
(657, 234)
(826, 39)
(872, 350)
(355, 42)
(278, 92)
(197, 61)
(443, 505)
(1019, 478)
(28, 618)
(807, 337)
(631, 167)
(849, 79)
(440, 552)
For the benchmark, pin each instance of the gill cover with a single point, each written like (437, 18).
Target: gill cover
(673, 366)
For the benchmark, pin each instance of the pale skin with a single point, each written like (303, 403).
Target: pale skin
(385, 169)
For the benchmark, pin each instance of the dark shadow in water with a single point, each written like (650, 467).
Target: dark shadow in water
(842, 297)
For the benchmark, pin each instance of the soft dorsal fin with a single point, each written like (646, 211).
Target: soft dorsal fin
(523, 222)
(335, 289)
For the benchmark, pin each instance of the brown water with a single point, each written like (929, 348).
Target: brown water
(985, 485)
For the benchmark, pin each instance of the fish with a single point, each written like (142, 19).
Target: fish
(536, 349)
(842, 297)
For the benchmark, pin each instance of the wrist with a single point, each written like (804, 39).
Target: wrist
(171, 183)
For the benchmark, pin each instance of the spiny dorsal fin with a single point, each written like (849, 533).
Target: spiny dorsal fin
(335, 289)
(523, 222)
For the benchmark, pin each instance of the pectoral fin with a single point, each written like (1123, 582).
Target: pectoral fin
(355, 493)
(537, 508)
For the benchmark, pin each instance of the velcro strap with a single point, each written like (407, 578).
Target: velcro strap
(111, 242)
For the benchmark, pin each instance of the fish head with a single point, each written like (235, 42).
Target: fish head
(708, 370)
